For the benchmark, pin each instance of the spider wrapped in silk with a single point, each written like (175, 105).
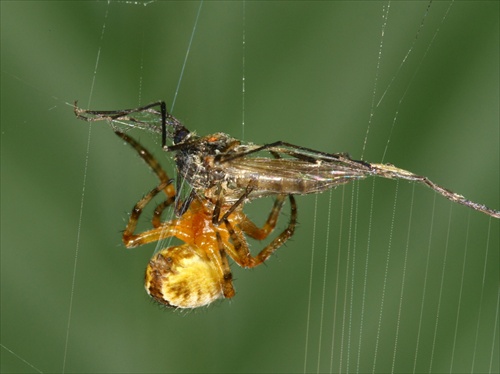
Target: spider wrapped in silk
(197, 272)
(218, 166)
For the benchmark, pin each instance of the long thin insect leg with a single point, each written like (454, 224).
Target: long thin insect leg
(181, 206)
(299, 152)
(392, 172)
(215, 217)
(114, 114)
(278, 147)
(125, 115)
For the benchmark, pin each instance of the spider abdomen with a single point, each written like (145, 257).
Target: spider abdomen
(181, 277)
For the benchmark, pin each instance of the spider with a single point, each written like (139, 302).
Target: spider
(197, 272)
(218, 162)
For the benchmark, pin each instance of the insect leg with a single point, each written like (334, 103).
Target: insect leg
(392, 172)
(216, 213)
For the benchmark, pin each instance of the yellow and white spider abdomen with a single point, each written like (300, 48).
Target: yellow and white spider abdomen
(181, 277)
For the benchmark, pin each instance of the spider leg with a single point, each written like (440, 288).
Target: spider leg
(152, 163)
(240, 253)
(161, 231)
(255, 232)
(284, 236)
(227, 278)
(156, 221)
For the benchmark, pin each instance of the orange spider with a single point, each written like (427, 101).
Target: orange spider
(197, 272)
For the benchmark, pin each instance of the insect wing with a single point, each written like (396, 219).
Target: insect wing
(290, 176)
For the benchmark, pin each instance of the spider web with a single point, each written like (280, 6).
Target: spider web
(424, 298)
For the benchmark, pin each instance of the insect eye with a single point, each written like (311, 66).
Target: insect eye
(180, 277)
(180, 135)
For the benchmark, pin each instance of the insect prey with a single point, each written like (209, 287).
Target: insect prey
(218, 166)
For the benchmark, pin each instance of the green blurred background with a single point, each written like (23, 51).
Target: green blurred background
(310, 71)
